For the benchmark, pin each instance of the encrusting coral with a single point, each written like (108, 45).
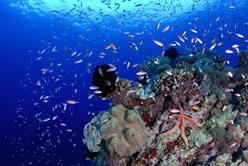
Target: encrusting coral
(190, 110)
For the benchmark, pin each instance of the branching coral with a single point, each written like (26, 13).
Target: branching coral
(125, 94)
(122, 85)
(171, 79)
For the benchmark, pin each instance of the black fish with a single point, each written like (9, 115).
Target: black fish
(172, 53)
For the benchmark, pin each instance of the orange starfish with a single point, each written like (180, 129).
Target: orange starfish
(182, 119)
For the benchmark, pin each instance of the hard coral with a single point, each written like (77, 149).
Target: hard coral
(172, 79)
(200, 137)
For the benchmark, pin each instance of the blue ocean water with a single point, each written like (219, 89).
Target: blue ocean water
(50, 48)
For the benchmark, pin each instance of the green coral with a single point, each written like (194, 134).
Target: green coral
(211, 65)
(224, 138)
(145, 93)
(243, 58)
(200, 137)
(221, 119)
(173, 161)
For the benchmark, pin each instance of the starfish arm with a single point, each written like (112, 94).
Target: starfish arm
(193, 121)
(182, 131)
(171, 131)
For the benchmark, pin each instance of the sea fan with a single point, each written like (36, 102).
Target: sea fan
(104, 78)
(172, 53)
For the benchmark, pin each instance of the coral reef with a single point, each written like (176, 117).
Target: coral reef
(190, 109)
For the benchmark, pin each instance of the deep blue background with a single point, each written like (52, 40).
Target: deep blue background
(20, 71)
